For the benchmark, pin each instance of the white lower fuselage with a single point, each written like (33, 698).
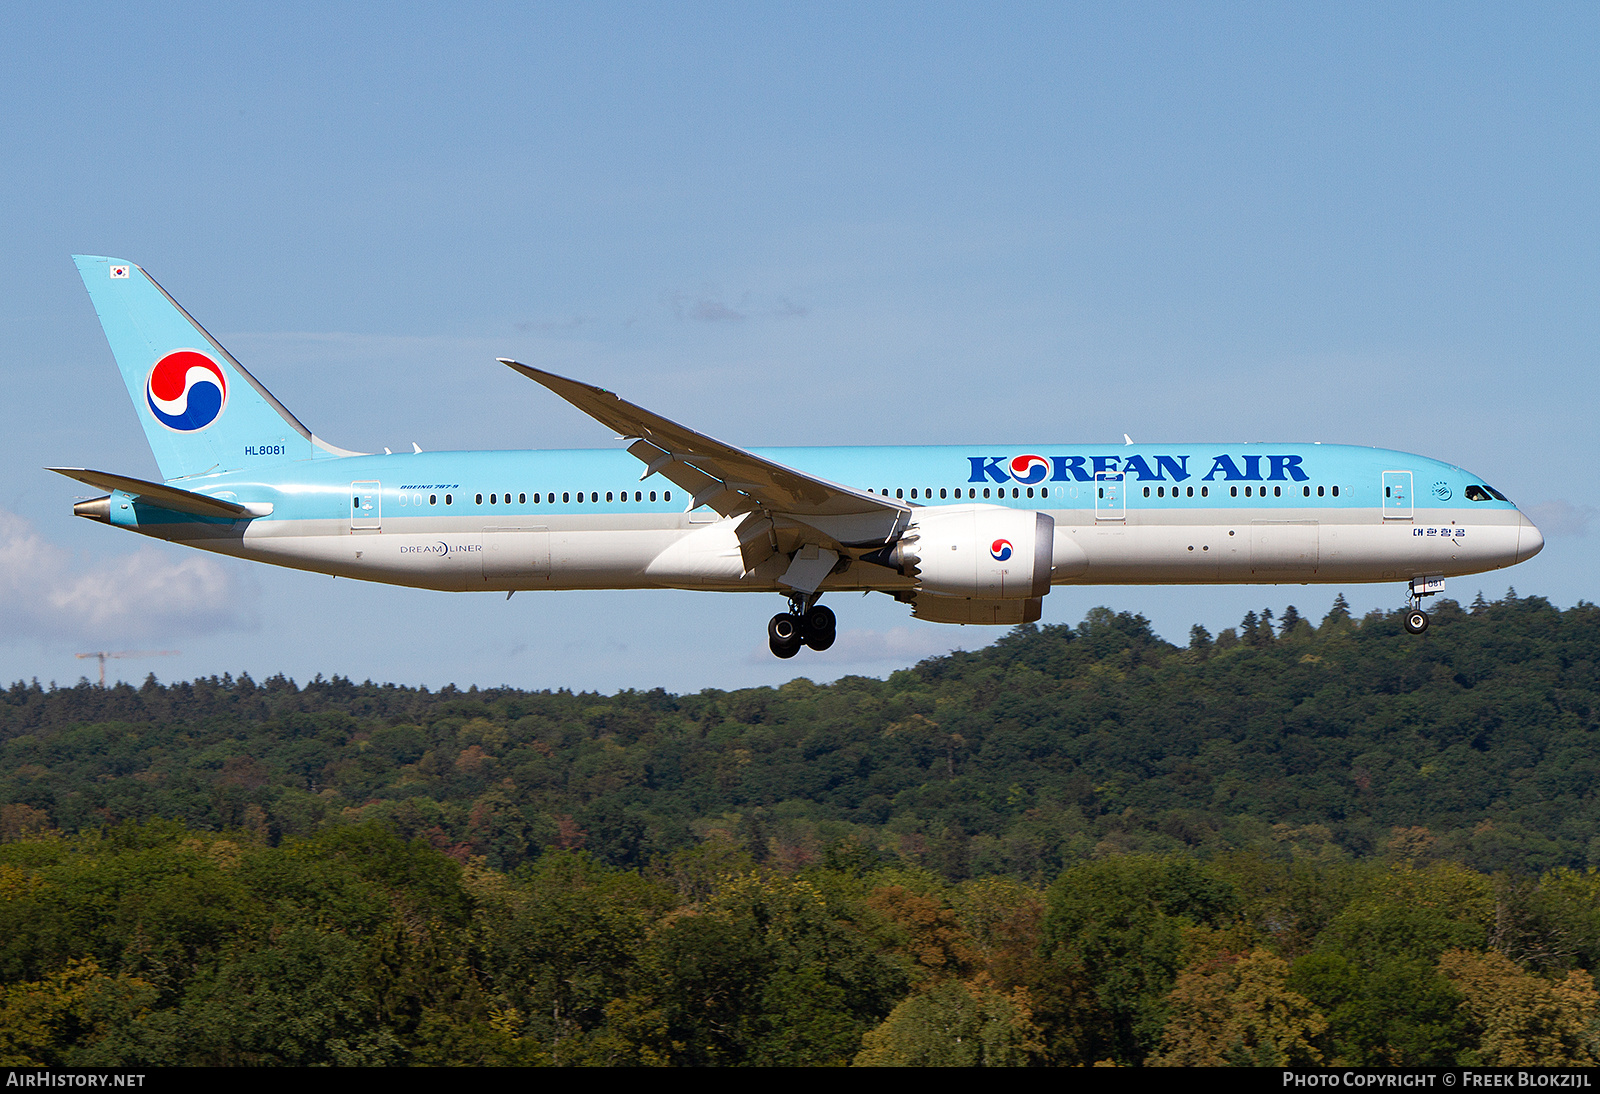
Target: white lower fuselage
(493, 551)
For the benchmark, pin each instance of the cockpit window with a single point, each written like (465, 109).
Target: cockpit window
(1484, 493)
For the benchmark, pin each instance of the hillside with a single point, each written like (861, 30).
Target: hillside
(1053, 745)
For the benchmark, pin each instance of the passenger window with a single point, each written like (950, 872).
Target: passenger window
(985, 491)
(941, 492)
(608, 496)
(566, 497)
(478, 499)
(666, 495)
(1205, 491)
(1147, 491)
(1335, 491)
(433, 499)
(1277, 491)
(1191, 492)
(448, 499)
(913, 493)
(1233, 491)
(1319, 491)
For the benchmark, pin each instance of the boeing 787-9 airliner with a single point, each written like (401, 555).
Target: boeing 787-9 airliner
(961, 533)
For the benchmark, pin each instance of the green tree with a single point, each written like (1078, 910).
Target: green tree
(1525, 1020)
(955, 1024)
(1236, 1010)
(1121, 922)
(764, 973)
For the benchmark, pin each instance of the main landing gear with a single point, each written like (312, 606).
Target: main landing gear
(806, 623)
(1416, 620)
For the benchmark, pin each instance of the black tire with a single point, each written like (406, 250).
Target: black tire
(819, 628)
(782, 651)
(783, 635)
(1416, 621)
(784, 629)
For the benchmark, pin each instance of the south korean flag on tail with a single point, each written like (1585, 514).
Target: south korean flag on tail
(119, 271)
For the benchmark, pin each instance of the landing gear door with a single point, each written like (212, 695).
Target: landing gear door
(1109, 502)
(366, 506)
(1397, 495)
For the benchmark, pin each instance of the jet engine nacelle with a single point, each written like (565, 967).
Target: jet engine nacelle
(985, 552)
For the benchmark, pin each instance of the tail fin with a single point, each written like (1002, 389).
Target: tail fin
(201, 411)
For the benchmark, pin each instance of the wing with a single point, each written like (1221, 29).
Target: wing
(735, 482)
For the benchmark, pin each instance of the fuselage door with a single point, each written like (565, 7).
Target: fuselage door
(1109, 502)
(366, 506)
(1397, 495)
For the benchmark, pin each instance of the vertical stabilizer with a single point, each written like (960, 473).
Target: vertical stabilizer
(201, 411)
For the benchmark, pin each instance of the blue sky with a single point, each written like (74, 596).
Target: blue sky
(785, 224)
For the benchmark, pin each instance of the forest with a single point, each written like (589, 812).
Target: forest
(1292, 842)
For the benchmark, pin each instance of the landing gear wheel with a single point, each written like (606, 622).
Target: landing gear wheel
(1422, 585)
(783, 635)
(819, 628)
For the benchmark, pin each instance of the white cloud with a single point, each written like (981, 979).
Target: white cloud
(903, 645)
(46, 593)
(322, 348)
(1562, 518)
(900, 646)
(704, 306)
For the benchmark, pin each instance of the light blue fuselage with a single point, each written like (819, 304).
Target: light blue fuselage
(1253, 513)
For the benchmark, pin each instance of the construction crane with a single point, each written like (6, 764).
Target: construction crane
(107, 655)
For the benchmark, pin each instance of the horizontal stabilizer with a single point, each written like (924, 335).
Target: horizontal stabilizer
(163, 496)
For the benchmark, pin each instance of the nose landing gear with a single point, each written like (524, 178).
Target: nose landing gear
(1416, 620)
(806, 623)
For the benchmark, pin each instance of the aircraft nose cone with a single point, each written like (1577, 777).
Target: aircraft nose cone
(1530, 541)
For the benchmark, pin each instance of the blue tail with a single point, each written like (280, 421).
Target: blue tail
(201, 411)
